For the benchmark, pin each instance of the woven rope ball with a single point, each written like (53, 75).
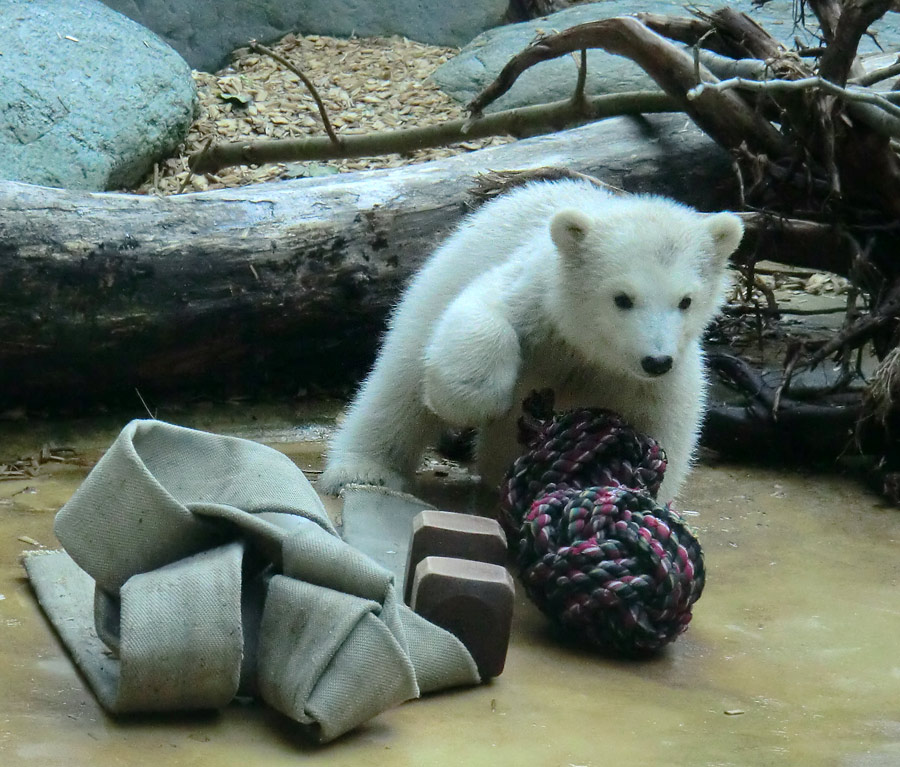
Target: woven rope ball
(596, 552)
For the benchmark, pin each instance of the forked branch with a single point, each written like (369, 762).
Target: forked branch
(725, 116)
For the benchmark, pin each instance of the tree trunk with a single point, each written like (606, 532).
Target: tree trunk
(269, 287)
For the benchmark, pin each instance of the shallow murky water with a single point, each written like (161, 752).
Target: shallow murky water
(792, 657)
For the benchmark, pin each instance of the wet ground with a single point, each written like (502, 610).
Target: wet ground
(791, 658)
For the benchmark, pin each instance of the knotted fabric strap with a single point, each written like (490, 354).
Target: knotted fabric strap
(217, 572)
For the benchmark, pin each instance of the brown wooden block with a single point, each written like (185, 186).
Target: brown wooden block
(471, 600)
(447, 534)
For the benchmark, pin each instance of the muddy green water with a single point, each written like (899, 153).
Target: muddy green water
(793, 657)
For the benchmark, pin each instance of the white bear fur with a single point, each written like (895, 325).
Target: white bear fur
(523, 296)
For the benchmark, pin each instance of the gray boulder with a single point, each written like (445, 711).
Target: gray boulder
(476, 66)
(88, 98)
(205, 32)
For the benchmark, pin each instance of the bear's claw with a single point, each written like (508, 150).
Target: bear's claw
(361, 472)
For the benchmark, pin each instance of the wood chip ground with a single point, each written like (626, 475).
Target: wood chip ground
(367, 84)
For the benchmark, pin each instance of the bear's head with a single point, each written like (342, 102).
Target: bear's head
(639, 280)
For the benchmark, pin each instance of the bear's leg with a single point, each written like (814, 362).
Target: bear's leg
(385, 430)
(471, 364)
(678, 437)
(674, 418)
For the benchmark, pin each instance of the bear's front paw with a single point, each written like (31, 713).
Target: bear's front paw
(471, 364)
(362, 471)
(468, 402)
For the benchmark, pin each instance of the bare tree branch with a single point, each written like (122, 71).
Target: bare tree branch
(683, 29)
(726, 68)
(855, 17)
(852, 94)
(329, 129)
(860, 331)
(524, 121)
(877, 75)
(730, 121)
(578, 97)
(779, 310)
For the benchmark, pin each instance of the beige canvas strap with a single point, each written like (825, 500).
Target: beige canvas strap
(217, 570)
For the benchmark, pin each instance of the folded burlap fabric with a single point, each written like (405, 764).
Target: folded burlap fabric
(198, 567)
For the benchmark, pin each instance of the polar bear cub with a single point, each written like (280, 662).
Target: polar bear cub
(556, 284)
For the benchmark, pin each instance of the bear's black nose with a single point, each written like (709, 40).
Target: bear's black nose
(656, 366)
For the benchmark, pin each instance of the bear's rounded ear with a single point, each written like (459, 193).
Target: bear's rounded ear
(726, 230)
(568, 228)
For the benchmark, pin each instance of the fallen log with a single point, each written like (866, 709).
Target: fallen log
(268, 287)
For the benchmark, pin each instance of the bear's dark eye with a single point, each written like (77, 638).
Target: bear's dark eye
(623, 301)
(685, 303)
